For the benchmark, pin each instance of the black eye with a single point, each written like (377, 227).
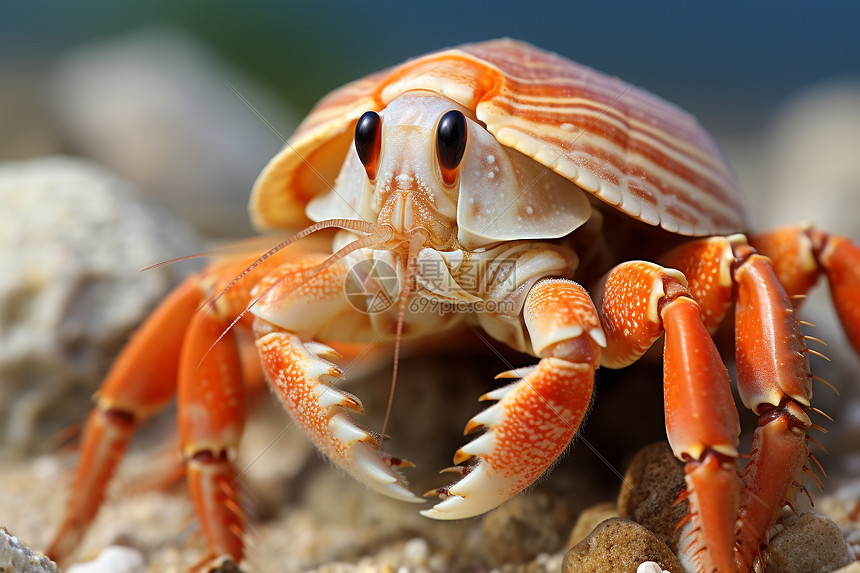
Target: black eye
(368, 135)
(451, 142)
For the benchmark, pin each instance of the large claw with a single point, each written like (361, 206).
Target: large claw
(532, 423)
(304, 382)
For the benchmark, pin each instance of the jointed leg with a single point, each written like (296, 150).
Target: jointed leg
(169, 346)
(141, 382)
(800, 254)
(639, 302)
(211, 417)
(773, 381)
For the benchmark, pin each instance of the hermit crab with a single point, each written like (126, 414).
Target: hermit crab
(565, 213)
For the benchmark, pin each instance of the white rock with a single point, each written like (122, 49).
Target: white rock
(113, 559)
(16, 557)
(650, 567)
(162, 110)
(416, 551)
(73, 240)
(811, 159)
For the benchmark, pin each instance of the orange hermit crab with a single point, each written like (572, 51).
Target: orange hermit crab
(474, 185)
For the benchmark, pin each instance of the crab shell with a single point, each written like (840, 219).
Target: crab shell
(642, 155)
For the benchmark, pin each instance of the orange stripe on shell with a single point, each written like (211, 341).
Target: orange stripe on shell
(635, 151)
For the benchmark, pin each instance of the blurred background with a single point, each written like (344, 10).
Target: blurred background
(67, 72)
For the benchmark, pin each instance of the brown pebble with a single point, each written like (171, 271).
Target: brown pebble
(811, 544)
(223, 564)
(591, 518)
(619, 546)
(653, 482)
(524, 527)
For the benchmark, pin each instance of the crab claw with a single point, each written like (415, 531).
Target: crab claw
(303, 380)
(532, 423)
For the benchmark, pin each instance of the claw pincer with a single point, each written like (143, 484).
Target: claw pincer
(303, 381)
(537, 416)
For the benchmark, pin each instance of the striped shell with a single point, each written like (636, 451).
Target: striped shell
(633, 150)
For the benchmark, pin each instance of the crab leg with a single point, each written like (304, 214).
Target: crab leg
(640, 300)
(773, 381)
(211, 418)
(800, 254)
(168, 348)
(140, 382)
(773, 377)
(535, 417)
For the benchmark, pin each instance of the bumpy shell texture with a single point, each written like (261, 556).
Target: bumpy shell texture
(642, 155)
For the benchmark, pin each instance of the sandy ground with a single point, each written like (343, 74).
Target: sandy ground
(304, 515)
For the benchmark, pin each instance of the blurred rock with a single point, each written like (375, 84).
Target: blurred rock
(28, 128)
(812, 544)
(73, 240)
(113, 559)
(812, 172)
(160, 109)
(521, 528)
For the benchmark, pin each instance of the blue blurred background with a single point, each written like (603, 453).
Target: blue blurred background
(730, 61)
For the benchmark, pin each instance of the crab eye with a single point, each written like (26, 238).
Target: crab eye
(368, 136)
(451, 143)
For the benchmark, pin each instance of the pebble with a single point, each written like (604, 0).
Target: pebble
(522, 528)
(223, 564)
(653, 482)
(619, 546)
(416, 552)
(591, 518)
(15, 557)
(812, 544)
(113, 559)
(650, 567)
